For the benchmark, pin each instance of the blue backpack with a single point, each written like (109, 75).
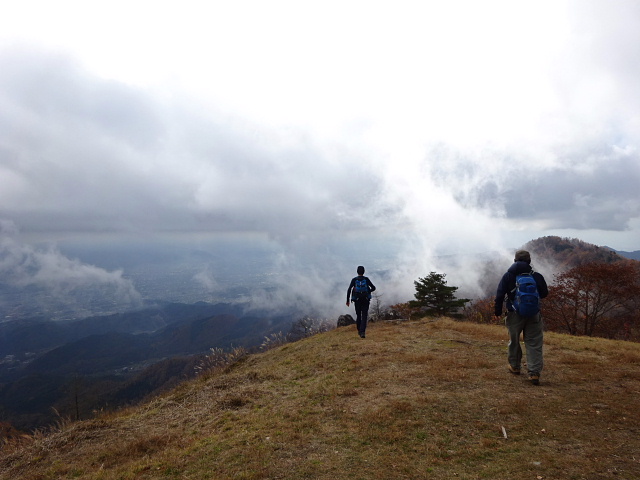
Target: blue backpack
(526, 300)
(361, 289)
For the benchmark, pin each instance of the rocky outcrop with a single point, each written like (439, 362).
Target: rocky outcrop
(344, 320)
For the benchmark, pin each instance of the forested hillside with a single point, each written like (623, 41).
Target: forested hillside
(565, 253)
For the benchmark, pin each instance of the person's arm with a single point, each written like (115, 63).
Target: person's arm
(541, 283)
(372, 287)
(500, 293)
(351, 285)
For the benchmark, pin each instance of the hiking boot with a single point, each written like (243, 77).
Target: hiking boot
(361, 335)
(534, 378)
(515, 371)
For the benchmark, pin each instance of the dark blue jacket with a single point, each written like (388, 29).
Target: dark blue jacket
(507, 285)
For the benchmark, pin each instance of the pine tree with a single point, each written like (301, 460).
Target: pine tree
(434, 297)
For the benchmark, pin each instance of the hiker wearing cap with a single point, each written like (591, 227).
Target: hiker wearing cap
(359, 292)
(522, 288)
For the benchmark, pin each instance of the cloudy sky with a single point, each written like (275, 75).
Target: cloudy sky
(429, 127)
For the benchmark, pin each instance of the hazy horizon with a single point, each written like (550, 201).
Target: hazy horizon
(75, 278)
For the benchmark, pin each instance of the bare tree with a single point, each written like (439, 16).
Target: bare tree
(377, 310)
(306, 327)
(595, 299)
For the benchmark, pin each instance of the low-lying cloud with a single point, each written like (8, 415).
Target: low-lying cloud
(57, 280)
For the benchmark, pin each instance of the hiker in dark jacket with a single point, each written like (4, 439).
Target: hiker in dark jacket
(360, 300)
(530, 326)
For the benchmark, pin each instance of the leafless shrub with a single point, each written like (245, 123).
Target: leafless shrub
(377, 311)
(218, 358)
(307, 327)
(272, 341)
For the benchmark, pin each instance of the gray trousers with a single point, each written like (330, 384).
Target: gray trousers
(531, 330)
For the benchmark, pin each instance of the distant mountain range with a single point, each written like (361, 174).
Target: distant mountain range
(37, 335)
(631, 255)
(114, 351)
(76, 367)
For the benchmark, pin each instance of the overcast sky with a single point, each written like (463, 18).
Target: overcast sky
(463, 126)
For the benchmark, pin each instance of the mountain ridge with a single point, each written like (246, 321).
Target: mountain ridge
(415, 399)
(40, 334)
(635, 255)
(564, 253)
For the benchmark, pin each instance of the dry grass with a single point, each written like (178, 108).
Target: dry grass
(414, 400)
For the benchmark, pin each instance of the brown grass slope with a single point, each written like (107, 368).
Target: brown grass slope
(414, 400)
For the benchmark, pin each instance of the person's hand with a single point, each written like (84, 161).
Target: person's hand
(348, 303)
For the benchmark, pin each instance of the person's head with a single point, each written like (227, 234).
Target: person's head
(522, 256)
(360, 270)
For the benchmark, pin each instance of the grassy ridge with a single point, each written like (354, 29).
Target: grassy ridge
(414, 400)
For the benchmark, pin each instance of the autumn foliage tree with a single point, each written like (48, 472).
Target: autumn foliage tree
(481, 310)
(404, 310)
(595, 299)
